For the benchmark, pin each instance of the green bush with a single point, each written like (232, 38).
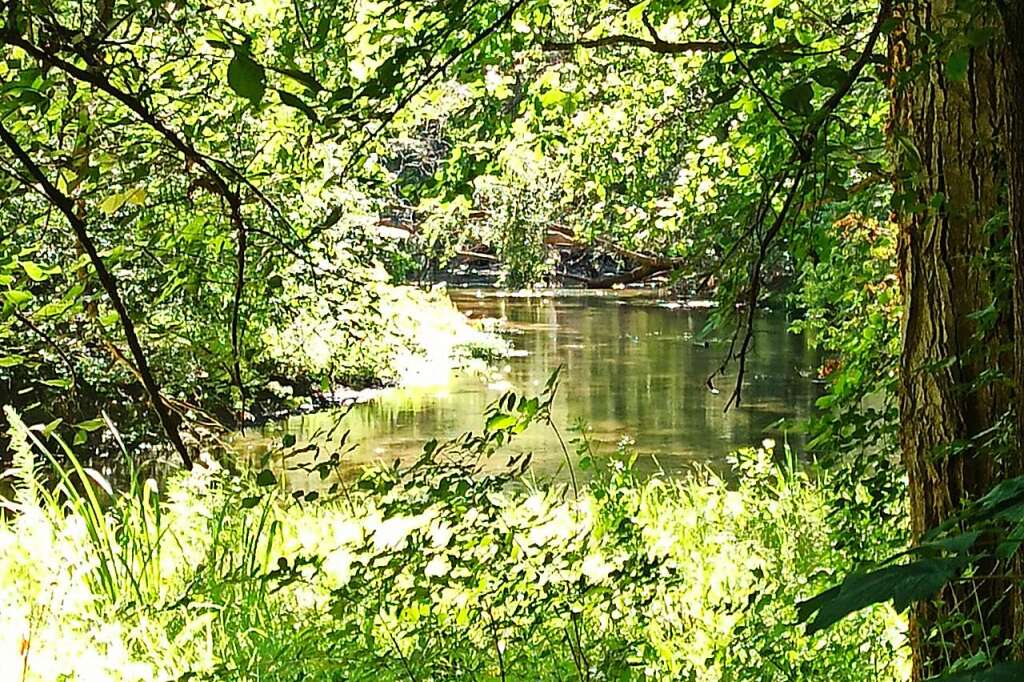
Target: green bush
(445, 570)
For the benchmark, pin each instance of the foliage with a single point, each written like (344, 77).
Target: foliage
(851, 305)
(208, 205)
(184, 144)
(976, 545)
(403, 335)
(439, 570)
(664, 144)
(232, 162)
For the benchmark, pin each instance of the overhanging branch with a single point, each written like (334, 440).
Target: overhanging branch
(800, 161)
(659, 46)
(65, 205)
(216, 183)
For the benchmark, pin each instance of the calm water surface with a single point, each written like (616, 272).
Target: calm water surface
(632, 369)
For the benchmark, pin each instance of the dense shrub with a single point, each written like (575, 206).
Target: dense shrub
(437, 571)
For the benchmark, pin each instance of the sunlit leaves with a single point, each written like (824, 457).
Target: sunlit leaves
(34, 272)
(500, 421)
(17, 296)
(135, 196)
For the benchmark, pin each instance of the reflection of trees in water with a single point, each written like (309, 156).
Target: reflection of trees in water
(629, 369)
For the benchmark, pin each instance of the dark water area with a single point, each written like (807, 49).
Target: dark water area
(633, 369)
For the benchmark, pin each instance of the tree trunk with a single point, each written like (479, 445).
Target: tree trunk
(1013, 20)
(946, 138)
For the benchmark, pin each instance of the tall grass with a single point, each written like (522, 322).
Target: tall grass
(431, 572)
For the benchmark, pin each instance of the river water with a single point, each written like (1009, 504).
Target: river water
(633, 368)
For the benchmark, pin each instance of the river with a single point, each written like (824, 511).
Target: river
(633, 369)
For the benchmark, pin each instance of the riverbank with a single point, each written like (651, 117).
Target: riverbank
(433, 572)
(416, 337)
(317, 357)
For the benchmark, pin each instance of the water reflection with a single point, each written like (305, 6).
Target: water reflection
(632, 369)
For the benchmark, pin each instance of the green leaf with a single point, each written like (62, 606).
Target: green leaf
(550, 98)
(18, 296)
(302, 78)
(250, 502)
(499, 421)
(34, 272)
(294, 102)
(112, 204)
(323, 27)
(1008, 548)
(288, 440)
(798, 98)
(530, 407)
(51, 427)
(247, 78)
(956, 65)
(958, 543)
(1002, 672)
(266, 478)
(11, 360)
(636, 12)
(902, 585)
(91, 424)
(830, 76)
(135, 196)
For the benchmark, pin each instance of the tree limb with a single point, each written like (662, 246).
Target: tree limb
(657, 46)
(802, 155)
(64, 203)
(218, 184)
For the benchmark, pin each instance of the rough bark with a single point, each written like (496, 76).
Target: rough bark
(946, 138)
(1013, 20)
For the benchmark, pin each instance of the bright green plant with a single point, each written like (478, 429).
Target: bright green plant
(449, 568)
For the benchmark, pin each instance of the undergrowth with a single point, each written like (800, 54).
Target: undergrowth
(436, 571)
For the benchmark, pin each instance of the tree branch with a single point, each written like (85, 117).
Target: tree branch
(218, 184)
(802, 155)
(658, 46)
(65, 205)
